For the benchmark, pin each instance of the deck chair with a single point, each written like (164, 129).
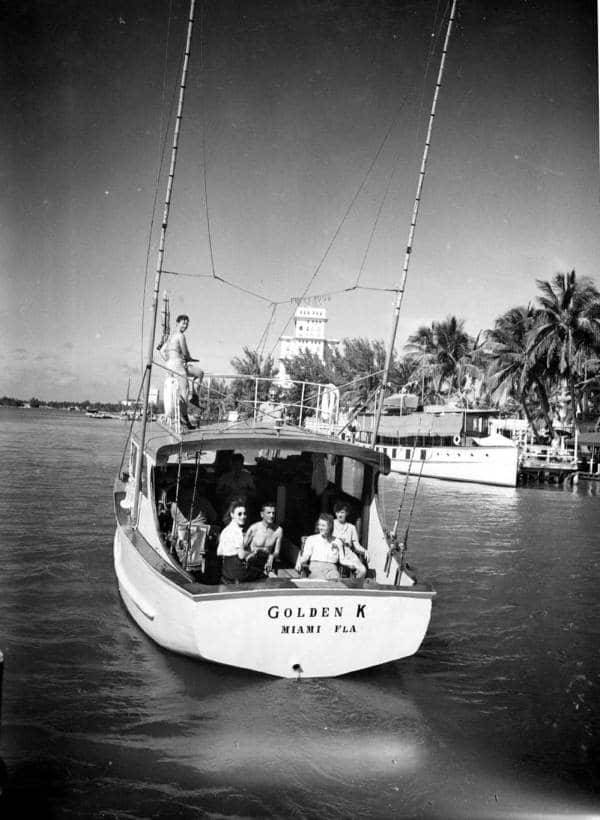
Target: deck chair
(190, 545)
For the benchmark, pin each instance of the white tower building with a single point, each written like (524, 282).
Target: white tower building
(310, 325)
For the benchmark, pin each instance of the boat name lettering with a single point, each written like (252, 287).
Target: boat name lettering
(276, 611)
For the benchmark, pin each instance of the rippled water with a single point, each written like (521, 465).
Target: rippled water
(496, 716)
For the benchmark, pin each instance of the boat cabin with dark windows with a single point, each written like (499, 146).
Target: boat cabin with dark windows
(173, 572)
(435, 426)
(187, 485)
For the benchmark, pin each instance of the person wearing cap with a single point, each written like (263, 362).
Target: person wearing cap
(271, 411)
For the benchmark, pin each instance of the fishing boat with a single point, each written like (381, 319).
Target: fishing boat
(283, 623)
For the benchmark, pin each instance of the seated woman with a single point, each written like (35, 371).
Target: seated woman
(321, 551)
(232, 550)
(347, 534)
(263, 539)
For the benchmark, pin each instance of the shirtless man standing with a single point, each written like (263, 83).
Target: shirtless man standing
(264, 539)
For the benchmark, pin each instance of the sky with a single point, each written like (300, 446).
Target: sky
(288, 105)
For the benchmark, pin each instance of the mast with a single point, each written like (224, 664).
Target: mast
(159, 263)
(411, 232)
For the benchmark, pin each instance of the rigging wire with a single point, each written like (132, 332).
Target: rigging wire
(341, 224)
(376, 223)
(324, 295)
(408, 469)
(412, 508)
(204, 152)
(131, 422)
(377, 217)
(292, 299)
(262, 342)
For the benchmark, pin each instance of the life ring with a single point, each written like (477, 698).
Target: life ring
(456, 440)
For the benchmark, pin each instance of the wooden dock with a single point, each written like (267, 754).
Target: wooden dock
(546, 473)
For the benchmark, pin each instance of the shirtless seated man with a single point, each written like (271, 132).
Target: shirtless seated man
(263, 539)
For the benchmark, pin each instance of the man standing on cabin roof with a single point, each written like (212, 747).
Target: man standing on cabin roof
(181, 365)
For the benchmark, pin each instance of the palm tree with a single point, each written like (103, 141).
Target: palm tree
(251, 363)
(358, 365)
(441, 356)
(511, 368)
(568, 329)
(306, 367)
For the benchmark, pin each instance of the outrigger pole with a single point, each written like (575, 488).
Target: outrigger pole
(159, 263)
(411, 232)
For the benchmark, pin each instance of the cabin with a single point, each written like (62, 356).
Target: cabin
(434, 426)
(303, 474)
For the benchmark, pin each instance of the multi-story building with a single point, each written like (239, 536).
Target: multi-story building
(309, 335)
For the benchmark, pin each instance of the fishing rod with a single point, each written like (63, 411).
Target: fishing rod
(177, 487)
(191, 512)
(165, 322)
(413, 222)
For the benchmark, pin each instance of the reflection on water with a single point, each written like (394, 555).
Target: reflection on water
(494, 717)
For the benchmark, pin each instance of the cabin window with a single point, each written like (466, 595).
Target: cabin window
(353, 474)
(393, 452)
(330, 463)
(423, 455)
(407, 454)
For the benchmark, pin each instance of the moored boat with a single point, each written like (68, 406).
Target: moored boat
(446, 443)
(100, 414)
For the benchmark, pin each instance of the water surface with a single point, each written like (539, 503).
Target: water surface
(496, 716)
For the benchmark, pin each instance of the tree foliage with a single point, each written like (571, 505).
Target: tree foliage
(567, 331)
(444, 359)
(244, 392)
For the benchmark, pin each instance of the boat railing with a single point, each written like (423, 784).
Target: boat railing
(260, 401)
(548, 454)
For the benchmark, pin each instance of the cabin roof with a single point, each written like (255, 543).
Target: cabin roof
(421, 424)
(160, 443)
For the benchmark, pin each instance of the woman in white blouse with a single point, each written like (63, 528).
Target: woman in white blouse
(321, 551)
(232, 549)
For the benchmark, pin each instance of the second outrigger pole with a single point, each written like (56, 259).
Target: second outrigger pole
(411, 232)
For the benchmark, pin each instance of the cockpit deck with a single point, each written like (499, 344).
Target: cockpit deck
(299, 473)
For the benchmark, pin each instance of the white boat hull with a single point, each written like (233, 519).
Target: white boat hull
(480, 465)
(308, 629)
